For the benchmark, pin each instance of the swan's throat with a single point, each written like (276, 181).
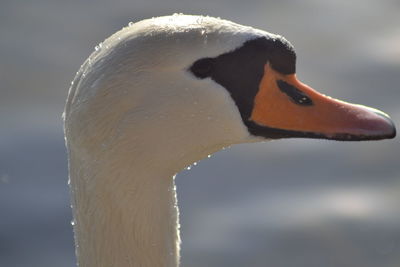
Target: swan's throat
(124, 217)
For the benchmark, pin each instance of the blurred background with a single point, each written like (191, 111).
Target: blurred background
(284, 203)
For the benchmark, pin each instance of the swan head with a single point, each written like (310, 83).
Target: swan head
(191, 85)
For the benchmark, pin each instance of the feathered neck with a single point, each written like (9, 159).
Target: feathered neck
(124, 216)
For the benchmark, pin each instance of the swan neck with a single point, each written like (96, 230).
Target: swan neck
(124, 216)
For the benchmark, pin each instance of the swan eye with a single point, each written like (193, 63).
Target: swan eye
(202, 68)
(297, 96)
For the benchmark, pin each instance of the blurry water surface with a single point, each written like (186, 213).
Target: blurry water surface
(283, 203)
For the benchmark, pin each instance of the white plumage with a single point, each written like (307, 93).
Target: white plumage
(135, 116)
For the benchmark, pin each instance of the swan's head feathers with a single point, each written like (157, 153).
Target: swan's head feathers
(203, 83)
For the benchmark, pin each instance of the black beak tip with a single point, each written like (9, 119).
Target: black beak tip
(392, 128)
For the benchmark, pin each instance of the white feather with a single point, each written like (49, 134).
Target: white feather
(135, 117)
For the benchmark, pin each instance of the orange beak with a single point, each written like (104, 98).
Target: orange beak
(285, 104)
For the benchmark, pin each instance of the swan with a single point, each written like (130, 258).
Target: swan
(163, 93)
